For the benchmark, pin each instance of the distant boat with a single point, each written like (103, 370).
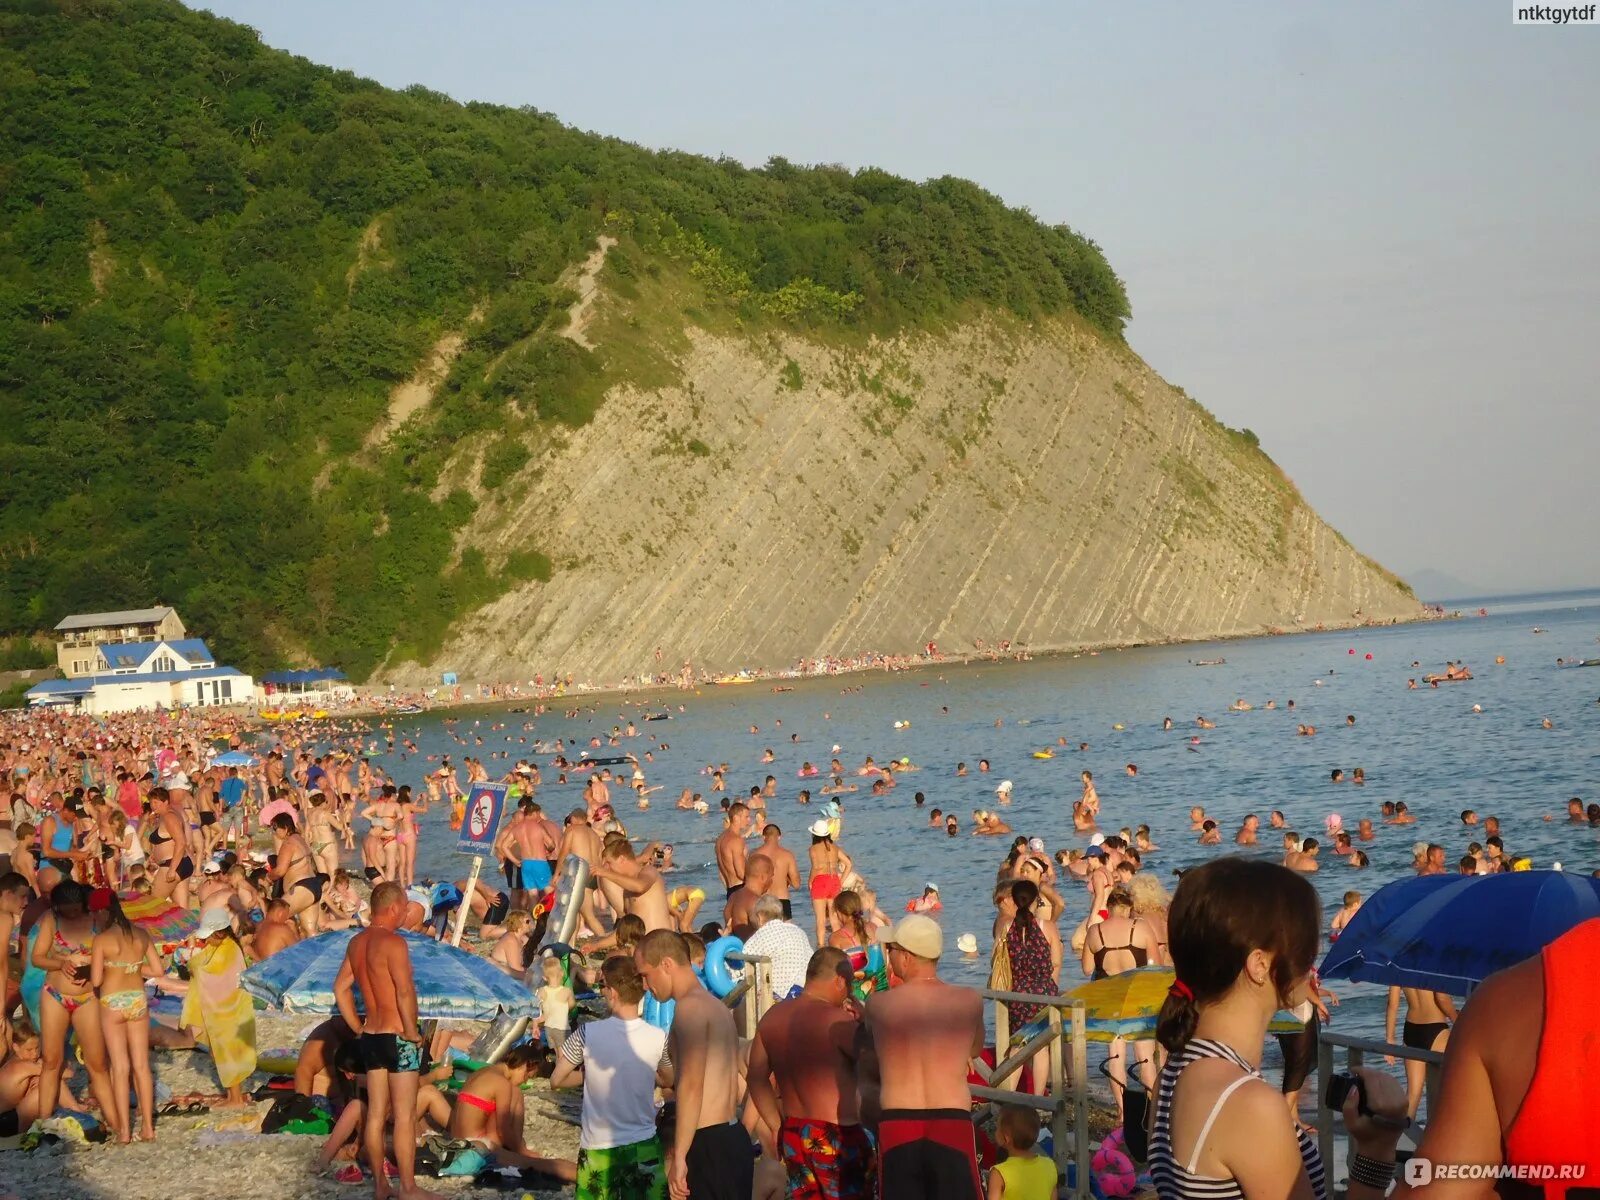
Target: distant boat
(1209, 662)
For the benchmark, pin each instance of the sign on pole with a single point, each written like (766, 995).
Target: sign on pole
(486, 803)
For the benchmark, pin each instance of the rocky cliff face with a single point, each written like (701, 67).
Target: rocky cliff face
(787, 499)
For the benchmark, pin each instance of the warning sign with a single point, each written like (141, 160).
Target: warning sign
(485, 804)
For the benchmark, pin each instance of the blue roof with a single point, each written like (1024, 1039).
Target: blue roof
(83, 686)
(193, 649)
(122, 655)
(127, 654)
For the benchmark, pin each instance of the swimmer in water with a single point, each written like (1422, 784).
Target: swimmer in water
(1247, 831)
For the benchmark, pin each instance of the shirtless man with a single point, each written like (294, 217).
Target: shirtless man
(710, 1150)
(731, 848)
(802, 1082)
(1247, 831)
(276, 931)
(596, 794)
(917, 1044)
(378, 962)
(644, 894)
(758, 877)
(785, 869)
(296, 870)
(532, 846)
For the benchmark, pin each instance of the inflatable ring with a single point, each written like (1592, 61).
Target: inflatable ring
(657, 1012)
(719, 978)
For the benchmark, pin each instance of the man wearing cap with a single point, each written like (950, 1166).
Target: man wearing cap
(918, 1041)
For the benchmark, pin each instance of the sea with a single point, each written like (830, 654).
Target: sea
(1479, 744)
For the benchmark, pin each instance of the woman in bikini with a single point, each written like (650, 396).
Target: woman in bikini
(828, 865)
(1120, 942)
(405, 839)
(488, 1112)
(61, 949)
(121, 959)
(384, 814)
(170, 845)
(320, 836)
(296, 873)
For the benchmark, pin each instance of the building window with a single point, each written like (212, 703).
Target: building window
(164, 662)
(227, 689)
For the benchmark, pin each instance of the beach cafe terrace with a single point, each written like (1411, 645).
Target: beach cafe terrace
(311, 681)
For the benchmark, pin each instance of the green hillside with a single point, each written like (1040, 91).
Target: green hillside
(218, 259)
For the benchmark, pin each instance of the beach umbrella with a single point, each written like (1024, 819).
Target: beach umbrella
(234, 758)
(1448, 933)
(452, 984)
(269, 811)
(168, 924)
(1128, 1005)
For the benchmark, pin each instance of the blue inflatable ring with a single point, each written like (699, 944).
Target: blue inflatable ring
(718, 977)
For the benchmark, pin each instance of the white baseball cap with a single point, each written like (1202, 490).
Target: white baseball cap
(1097, 840)
(915, 934)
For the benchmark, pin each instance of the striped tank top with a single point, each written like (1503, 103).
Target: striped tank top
(1178, 1181)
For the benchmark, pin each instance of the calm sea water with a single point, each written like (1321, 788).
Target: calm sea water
(1425, 747)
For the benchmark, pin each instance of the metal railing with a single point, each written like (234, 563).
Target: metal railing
(1067, 1105)
(1356, 1050)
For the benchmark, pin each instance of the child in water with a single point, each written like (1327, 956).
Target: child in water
(1352, 905)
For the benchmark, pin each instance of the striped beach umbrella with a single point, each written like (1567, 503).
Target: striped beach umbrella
(452, 984)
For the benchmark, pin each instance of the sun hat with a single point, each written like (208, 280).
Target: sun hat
(213, 920)
(967, 943)
(820, 828)
(1005, 786)
(930, 887)
(915, 934)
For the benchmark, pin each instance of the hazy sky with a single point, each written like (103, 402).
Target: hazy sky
(1369, 232)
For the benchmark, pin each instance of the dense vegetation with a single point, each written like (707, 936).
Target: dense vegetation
(217, 259)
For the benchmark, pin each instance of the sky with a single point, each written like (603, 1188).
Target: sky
(1369, 232)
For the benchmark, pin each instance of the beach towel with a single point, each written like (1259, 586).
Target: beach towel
(220, 1012)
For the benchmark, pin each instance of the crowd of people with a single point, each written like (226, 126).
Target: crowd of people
(856, 1081)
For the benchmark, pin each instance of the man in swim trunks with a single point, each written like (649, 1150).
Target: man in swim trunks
(379, 964)
(917, 1042)
(711, 1153)
(802, 1082)
(531, 846)
(579, 840)
(731, 847)
(785, 869)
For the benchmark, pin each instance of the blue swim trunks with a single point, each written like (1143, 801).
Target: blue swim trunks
(535, 874)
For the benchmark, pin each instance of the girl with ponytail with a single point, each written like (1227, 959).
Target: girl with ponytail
(1242, 935)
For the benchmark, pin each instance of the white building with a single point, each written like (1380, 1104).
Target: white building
(129, 676)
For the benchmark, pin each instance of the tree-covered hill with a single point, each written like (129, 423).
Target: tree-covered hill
(217, 260)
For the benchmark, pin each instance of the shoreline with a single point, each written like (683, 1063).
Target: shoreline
(367, 705)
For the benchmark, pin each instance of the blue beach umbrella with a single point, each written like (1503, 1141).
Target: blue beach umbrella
(452, 984)
(234, 758)
(1448, 933)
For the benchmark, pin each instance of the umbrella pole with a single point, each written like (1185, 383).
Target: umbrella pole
(466, 901)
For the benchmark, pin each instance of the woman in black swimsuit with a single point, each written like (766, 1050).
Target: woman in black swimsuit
(1121, 942)
(169, 844)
